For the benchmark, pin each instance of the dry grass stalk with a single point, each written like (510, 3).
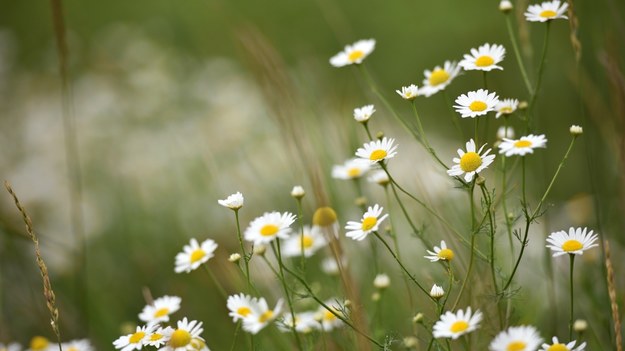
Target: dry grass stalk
(48, 293)
(574, 27)
(612, 293)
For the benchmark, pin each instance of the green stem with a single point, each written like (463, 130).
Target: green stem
(423, 137)
(246, 259)
(278, 254)
(572, 256)
(366, 125)
(220, 288)
(301, 234)
(517, 54)
(504, 193)
(236, 333)
(534, 95)
(454, 116)
(471, 255)
(477, 127)
(491, 227)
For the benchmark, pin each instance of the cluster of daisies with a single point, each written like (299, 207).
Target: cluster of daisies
(40, 343)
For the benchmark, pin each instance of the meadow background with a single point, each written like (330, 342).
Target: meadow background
(178, 104)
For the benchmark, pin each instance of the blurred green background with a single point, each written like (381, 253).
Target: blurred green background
(180, 103)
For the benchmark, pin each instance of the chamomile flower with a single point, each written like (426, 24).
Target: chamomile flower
(304, 322)
(271, 225)
(575, 242)
(546, 11)
(506, 107)
(505, 132)
(39, 343)
(476, 103)
(439, 78)
(136, 340)
(470, 162)
(525, 145)
(194, 254)
(557, 346)
(370, 222)
(234, 201)
(181, 337)
(10, 347)
(377, 150)
(351, 169)
(159, 337)
(353, 54)
(312, 240)
(160, 310)
(325, 220)
(408, 93)
(454, 325)
(77, 345)
(362, 114)
(328, 318)
(379, 176)
(484, 58)
(441, 253)
(260, 315)
(240, 306)
(521, 338)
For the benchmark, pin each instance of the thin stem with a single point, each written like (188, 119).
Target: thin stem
(454, 117)
(423, 137)
(491, 227)
(366, 125)
(220, 288)
(517, 54)
(246, 259)
(477, 127)
(473, 235)
(539, 78)
(276, 250)
(572, 256)
(301, 234)
(236, 333)
(505, 191)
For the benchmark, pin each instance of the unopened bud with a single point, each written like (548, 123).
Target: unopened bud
(437, 292)
(260, 250)
(410, 342)
(523, 105)
(505, 6)
(480, 180)
(234, 258)
(361, 201)
(379, 135)
(417, 318)
(381, 281)
(576, 130)
(580, 325)
(298, 192)
(376, 296)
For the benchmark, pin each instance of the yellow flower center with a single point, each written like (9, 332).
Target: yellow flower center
(324, 216)
(446, 254)
(478, 106)
(38, 343)
(244, 311)
(548, 14)
(180, 338)
(470, 162)
(369, 223)
(164, 311)
(558, 347)
(522, 143)
(353, 172)
(328, 316)
(438, 76)
(72, 348)
(197, 255)
(516, 346)
(269, 230)
(156, 337)
(355, 55)
(136, 337)
(484, 61)
(506, 110)
(377, 155)
(572, 245)
(265, 316)
(459, 326)
(307, 241)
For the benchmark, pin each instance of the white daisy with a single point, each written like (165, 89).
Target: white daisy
(10, 347)
(370, 222)
(455, 325)
(160, 310)
(439, 78)
(77, 345)
(557, 346)
(504, 132)
(476, 103)
(260, 315)
(234, 201)
(470, 162)
(353, 54)
(377, 150)
(440, 253)
(506, 107)
(240, 306)
(269, 226)
(408, 93)
(379, 176)
(327, 318)
(484, 58)
(181, 337)
(304, 322)
(575, 242)
(522, 338)
(351, 169)
(194, 254)
(311, 241)
(546, 11)
(199, 345)
(525, 145)
(159, 337)
(136, 340)
(362, 114)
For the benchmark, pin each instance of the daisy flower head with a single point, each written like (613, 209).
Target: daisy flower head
(557, 346)
(370, 222)
(454, 325)
(377, 150)
(194, 254)
(159, 337)
(476, 103)
(470, 162)
(160, 310)
(505, 132)
(260, 315)
(525, 145)
(328, 318)
(39, 343)
(380, 177)
(10, 347)
(546, 11)
(521, 338)
(304, 322)
(408, 93)
(181, 338)
(240, 306)
(575, 242)
(271, 225)
(506, 107)
(311, 241)
(441, 253)
(484, 58)
(134, 341)
(362, 114)
(326, 220)
(75, 345)
(233, 202)
(439, 78)
(576, 130)
(351, 169)
(353, 54)
(199, 345)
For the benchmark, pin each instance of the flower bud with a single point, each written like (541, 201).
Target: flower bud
(576, 130)
(505, 6)
(234, 258)
(437, 292)
(381, 281)
(298, 192)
